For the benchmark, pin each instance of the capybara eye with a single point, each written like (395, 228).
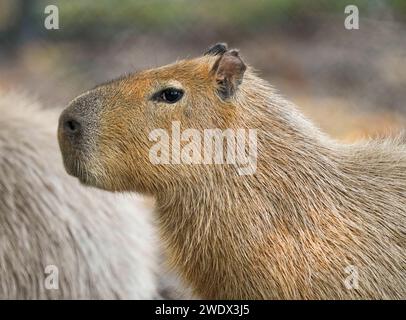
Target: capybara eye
(169, 95)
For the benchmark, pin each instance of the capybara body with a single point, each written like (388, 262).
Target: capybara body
(314, 219)
(60, 240)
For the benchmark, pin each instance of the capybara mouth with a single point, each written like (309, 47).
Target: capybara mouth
(83, 176)
(73, 159)
(75, 166)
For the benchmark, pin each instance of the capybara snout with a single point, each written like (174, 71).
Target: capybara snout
(78, 122)
(77, 132)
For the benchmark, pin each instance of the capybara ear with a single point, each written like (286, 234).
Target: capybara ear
(218, 48)
(229, 71)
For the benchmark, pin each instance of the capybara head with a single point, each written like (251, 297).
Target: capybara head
(107, 134)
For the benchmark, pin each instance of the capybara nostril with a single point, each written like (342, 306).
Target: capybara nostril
(71, 126)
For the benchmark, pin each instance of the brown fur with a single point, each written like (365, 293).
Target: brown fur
(313, 207)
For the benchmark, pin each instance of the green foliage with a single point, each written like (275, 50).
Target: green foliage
(103, 17)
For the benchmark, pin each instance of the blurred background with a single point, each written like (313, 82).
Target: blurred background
(352, 83)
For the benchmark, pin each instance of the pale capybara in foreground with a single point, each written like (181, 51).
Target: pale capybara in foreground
(311, 219)
(60, 240)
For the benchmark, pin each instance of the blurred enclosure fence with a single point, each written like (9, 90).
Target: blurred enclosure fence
(351, 82)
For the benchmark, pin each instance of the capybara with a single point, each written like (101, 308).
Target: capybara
(307, 217)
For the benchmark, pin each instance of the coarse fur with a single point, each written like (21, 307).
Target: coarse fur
(102, 244)
(315, 214)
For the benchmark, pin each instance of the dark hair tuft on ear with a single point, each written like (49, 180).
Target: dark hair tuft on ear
(235, 52)
(217, 49)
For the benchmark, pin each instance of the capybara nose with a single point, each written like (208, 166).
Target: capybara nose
(70, 126)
